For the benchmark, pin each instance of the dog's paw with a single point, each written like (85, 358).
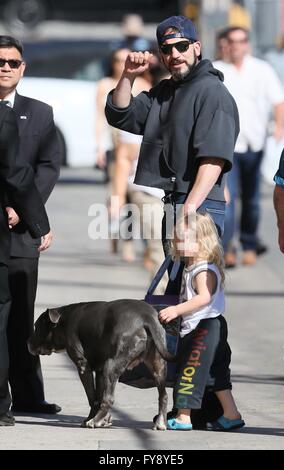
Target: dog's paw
(109, 420)
(105, 422)
(87, 423)
(159, 425)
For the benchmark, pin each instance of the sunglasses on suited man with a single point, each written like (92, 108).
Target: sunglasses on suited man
(181, 46)
(13, 63)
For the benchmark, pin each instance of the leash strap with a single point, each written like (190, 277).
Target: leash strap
(161, 271)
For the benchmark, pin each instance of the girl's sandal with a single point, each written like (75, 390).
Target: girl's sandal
(225, 424)
(176, 426)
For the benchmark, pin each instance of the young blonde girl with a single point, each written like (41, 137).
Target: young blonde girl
(204, 354)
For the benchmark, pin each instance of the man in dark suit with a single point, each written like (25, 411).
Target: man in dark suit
(39, 146)
(16, 180)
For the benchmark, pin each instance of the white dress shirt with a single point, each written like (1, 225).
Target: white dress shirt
(10, 99)
(256, 89)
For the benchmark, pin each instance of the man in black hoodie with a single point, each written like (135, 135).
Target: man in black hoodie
(189, 125)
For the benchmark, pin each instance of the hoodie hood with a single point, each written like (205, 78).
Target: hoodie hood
(203, 68)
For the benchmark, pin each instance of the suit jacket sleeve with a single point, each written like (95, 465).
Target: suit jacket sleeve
(48, 158)
(17, 177)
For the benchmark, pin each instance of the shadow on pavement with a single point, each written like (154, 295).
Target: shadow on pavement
(258, 379)
(78, 180)
(262, 431)
(140, 428)
(254, 294)
(62, 421)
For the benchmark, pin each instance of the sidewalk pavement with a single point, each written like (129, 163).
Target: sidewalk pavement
(77, 268)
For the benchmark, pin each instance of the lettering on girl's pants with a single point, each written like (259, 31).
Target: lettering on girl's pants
(186, 386)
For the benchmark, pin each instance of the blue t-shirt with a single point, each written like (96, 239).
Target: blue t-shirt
(279, 177)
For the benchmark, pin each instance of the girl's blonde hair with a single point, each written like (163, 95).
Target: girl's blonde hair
(209, 243)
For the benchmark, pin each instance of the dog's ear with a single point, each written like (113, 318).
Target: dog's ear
(54, 315)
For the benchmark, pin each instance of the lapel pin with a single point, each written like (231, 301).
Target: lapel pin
(23, 117)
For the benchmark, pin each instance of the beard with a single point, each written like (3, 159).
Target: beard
(178, 75)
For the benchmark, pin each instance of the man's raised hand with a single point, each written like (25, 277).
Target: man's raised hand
(137, 63)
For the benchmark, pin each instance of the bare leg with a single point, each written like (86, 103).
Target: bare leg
(125, 155)
(228, 403)
(183, 415)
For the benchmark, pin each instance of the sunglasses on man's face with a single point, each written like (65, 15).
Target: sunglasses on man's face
(13, 63)
(181, 46)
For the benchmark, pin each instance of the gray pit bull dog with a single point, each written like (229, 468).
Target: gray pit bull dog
(108, 338)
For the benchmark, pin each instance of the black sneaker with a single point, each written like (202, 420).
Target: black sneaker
(7, 419)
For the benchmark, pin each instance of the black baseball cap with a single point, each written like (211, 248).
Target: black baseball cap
(185, 27)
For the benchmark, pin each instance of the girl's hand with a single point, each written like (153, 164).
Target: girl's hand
(168, 314)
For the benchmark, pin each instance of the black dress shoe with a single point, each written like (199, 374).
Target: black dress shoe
(7, 419)
(43, 408)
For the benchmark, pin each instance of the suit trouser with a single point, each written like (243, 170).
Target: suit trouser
(25, 374)
(5, 303)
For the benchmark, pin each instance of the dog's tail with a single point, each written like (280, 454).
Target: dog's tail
(159, 337)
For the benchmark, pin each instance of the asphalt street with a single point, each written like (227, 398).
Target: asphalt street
(77, 268)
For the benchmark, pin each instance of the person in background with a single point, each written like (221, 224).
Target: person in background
(114, 153)
(148, 201)
(40, 147)
(105, 135)
(145, 199)
(16, 181)
(278, 199)
(132, 30)
(222, 46)
(256, 98)
(126, 154)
